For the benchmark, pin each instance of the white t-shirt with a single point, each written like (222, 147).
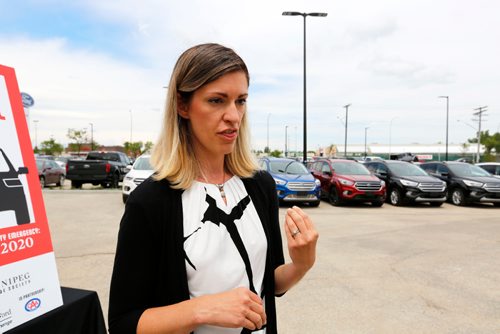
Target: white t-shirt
(218, 237)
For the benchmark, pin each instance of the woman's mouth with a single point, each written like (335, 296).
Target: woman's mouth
(229, 134)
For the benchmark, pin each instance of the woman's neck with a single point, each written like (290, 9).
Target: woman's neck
(212, 170)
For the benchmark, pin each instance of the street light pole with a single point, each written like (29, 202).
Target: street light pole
(130, 126)
(366, 129)
(447, 113)
(36, 133)
(91, 136)
(268, 149)
(390, 135)
(286, 141)
(346, 119)
(304, 15)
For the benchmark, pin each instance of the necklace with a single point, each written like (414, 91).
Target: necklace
(219, 186)
(221, 190)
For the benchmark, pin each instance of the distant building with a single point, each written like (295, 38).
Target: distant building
(424, 151)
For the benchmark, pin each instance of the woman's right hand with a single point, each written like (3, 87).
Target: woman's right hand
(235, 308)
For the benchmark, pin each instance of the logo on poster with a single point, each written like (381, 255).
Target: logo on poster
(5, 318)
(14, 282)
(32, 304)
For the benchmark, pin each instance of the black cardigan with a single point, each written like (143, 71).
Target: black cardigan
(150, 270)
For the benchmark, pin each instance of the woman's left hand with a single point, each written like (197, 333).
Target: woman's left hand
(302, 238)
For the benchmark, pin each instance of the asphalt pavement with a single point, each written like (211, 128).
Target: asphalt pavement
(411, 269)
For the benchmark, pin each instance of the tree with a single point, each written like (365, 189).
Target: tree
(50, 147)
(80, 138)
(134, 149)
(489, 141)
(267, 150)
(275, 153)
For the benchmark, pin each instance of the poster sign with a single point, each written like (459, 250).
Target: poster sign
(29, 285)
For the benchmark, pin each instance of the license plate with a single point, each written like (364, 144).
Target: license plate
(302, 193)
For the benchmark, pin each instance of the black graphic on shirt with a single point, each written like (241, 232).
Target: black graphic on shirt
(217, 216)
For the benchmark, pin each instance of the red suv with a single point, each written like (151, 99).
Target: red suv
(348, 180)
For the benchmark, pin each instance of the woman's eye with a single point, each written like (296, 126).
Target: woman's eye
(215, 100)
(241, 101)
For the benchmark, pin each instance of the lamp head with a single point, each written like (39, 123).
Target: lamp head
(292, 13)
(317, 14)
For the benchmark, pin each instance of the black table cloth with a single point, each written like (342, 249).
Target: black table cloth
(81, 313)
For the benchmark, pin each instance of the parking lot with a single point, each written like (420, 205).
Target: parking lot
(412, 269)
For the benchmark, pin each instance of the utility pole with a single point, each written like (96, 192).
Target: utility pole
(346, 118)
(479, 113)
(366, 129)
(91, 136)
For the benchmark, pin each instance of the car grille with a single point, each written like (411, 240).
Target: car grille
(492, 187)
(139, 180)
(368, 186)
(431, 186)
(301, 186)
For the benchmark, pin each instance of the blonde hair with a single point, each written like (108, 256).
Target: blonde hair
(173, 156)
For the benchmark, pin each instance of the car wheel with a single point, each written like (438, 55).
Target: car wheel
(314, 204)
(61, 181)
(76, 184)
(42, 182)
(124, 198)
(436, 204)
(458, 197)
(333, 197)
(395, 197)
(115, 181)
(378, 203)
(496, 204)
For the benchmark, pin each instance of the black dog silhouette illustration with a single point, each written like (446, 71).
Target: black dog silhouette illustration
(216, 216)
(11, 190)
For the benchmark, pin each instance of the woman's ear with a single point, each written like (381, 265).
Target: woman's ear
(182, 108)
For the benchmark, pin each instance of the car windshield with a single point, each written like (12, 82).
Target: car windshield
(350, 168)
(287, 167)
(467, 170)
(405, 169)
(143, 164)
(103, 156)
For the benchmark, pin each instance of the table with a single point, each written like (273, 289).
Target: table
(80, 313)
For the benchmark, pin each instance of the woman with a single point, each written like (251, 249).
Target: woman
(199, 248)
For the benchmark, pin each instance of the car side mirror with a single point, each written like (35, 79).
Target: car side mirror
(22, 170)
(444, 174)
(383, 173)
(328, 173)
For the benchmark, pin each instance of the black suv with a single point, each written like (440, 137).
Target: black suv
(11, 190)
(466, 183)
(407, 183)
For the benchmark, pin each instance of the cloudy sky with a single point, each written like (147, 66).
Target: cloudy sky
(107, 63)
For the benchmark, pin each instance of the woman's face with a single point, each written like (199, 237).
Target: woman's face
(215, 113)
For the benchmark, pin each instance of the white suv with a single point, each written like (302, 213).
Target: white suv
(491, 167)
(140, 171)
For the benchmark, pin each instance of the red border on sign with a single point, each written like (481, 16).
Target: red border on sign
(42, 242)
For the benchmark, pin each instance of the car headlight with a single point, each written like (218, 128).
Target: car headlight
(409, 183)
(318, 182)
(473, 183)
(382, 183)
(280, 182)
(346, 182)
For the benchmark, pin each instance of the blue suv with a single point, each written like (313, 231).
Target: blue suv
(294, 183)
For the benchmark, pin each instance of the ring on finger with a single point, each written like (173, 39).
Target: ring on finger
(294, 233)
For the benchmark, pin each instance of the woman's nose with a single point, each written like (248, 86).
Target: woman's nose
(232, 113)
